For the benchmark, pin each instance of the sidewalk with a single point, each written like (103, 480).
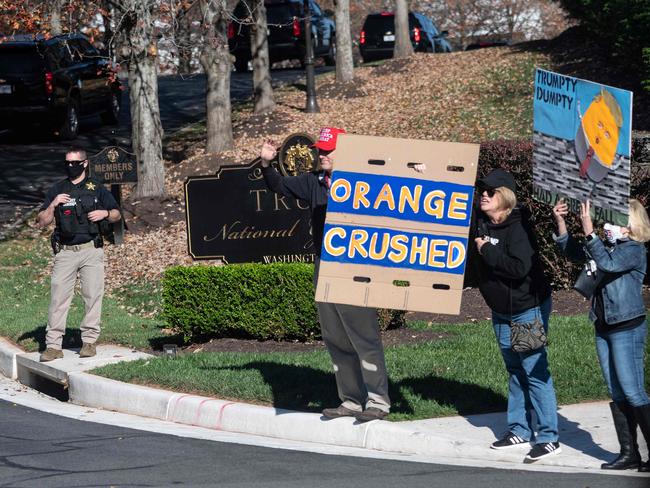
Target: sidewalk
(586, 431)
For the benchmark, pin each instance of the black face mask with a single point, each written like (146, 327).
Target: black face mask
(74, 170)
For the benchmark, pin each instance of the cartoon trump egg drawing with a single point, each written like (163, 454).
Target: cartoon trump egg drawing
(597, 137)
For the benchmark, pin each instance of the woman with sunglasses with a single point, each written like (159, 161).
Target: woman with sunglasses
(619, 317)
(513, 285)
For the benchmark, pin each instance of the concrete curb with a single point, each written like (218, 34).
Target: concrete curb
(8, 353)
(98, 392)
(588, 433)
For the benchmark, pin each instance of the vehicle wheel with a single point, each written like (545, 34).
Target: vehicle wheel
(241, 65)
(70, 127)
(330, 58)
(112, 115)
(430, 49)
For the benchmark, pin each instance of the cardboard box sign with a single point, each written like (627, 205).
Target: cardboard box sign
(396, 238)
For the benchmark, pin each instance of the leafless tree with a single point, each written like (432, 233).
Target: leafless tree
(344, 60)
(217, 63)
(262, 88)
(403, 46)
(54, 8)
(469, 20)
(136, 47)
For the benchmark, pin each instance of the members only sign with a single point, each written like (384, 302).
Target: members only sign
(396, 238)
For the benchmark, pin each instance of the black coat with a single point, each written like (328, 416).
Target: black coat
(308, 187)
(511, 277)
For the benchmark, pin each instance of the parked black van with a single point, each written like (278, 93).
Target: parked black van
(285, 32)
(54, 82)
(377, 38)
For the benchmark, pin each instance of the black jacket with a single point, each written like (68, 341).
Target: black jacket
(308, 187)
(511, 278)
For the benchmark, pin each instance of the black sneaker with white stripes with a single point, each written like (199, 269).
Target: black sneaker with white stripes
(543, 450)
(509, 440)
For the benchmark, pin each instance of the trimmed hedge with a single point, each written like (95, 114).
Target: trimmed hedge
(259, 301)
(276, 301)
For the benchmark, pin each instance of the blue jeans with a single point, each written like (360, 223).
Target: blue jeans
(621, 359)
(530, 386)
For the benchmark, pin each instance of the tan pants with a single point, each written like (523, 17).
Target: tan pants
(351, 335)
(89, 264)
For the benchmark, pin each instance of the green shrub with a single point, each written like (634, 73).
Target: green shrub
(259, 301)
(619, 25)
(516, 156)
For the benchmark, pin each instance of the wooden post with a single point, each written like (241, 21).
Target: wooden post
(118, 227)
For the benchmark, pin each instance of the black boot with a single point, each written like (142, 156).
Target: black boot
(625, 425)
(643, 417)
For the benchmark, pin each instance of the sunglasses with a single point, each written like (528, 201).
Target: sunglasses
(490, 191)
(72, 162)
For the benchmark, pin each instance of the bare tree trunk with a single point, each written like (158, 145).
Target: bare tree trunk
(217, 64)
(147, 129)
(403, 46)
(55, 17)
(262, 88)
(184, 45)
(139, 52)
(344, 61)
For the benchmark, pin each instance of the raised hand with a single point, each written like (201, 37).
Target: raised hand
(59, 199)
(268, 152)
(585, 217)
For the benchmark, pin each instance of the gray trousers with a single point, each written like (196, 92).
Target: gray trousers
(351, 335)
(89, 264)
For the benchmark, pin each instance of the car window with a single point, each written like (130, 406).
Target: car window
(19, 59)
(379, 23)
(88, 50)
(282, 13)
(81, 51)
(55, 55)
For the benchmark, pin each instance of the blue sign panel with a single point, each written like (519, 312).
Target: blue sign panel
(394, 248)
(435, 202)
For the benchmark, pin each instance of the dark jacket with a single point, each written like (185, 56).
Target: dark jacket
(625, 268)
(308, 187)
(78, 208)
(511, 278)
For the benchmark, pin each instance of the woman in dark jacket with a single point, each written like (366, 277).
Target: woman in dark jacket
(513, 285)
(619, 317)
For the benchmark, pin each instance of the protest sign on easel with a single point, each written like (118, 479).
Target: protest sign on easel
(395, 238)
(582, 145)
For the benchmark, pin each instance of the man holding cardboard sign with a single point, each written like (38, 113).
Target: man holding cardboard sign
(350, 333)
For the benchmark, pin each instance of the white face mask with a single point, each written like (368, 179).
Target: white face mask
(614, 233)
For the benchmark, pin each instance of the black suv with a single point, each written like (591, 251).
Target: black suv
(55, 81)
(377, 38)
(286, 35)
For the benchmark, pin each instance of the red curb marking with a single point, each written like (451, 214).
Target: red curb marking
(220, 414)
(176, 402)
(198, 411)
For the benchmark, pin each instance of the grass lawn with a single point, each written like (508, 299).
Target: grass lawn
(461, 373)
(25, 295)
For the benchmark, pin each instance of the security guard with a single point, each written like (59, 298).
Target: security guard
(82, 208)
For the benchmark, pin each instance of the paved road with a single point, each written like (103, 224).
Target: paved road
(44, 450)
(30, 163)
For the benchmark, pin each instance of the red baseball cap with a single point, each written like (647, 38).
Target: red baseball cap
(327, 138)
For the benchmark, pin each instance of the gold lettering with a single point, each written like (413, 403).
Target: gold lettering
(257, 198)
(279, 199)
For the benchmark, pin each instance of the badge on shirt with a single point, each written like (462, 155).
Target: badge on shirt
(90, 186)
